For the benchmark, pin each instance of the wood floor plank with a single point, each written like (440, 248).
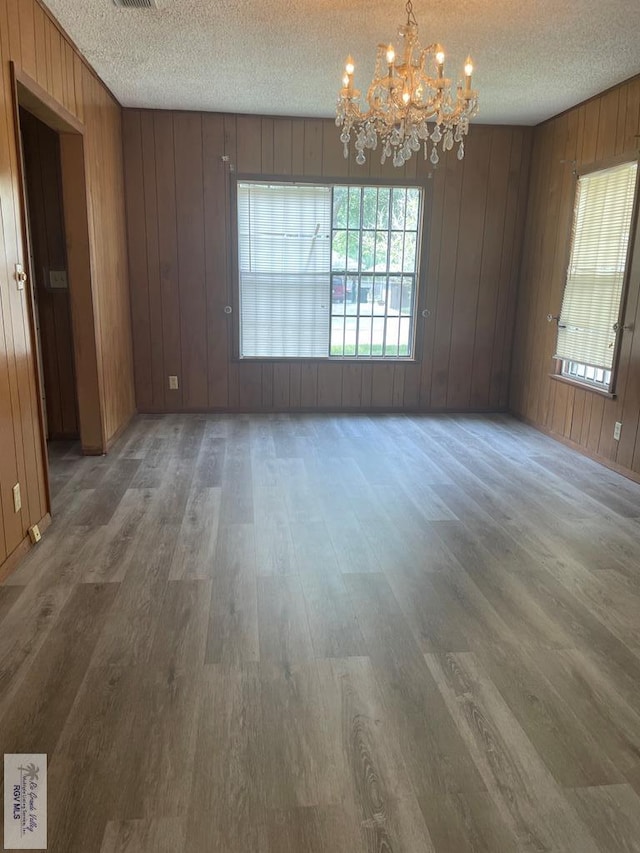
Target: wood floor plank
(570, 750)
(164, 835)
(233, 613)
(436, 757)
(102, 749)
(237, 488)
(100, 508)
(23, 633)
(335, 632)
(312, 829)
(283, 622)
(35, 715)
(524, 791)
(8, 597)
(351, 540)
(226, 810)
(128, 637)
(446, 611)
(314, 551)
(594, 697)
(171, 701)
(612, 814)
(180, 641)
(211, 459)
(300, 751)
(275, 553)
(196, 544)
(374, 783)
(115, 542)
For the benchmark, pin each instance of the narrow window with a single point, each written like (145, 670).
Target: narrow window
(589, 323)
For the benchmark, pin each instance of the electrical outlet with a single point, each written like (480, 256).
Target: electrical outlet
(34, 534)
(617, 430)
(17, 498)
(173, 383)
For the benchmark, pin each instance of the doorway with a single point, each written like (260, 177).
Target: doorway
(51, 160)
(50, 280)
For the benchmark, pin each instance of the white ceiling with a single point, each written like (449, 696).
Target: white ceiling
(534, 58)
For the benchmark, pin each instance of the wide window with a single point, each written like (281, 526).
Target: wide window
(588, 326)
(327, 271)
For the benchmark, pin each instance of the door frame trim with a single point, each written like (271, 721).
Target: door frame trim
(29, 95)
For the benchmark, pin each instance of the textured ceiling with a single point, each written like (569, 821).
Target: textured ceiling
(285, 57)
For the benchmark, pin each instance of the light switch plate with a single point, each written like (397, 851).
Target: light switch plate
(173, 383)
(17, 498)
(58, 279)
(617, 430)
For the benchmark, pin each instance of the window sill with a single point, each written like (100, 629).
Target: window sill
(584, 386)
(334, 359)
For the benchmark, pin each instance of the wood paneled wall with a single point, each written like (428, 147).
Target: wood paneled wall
(592, 132)
(35, 43)
(178, 214)
(43, 177)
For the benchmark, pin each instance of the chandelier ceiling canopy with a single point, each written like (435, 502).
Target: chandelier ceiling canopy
(410, 102)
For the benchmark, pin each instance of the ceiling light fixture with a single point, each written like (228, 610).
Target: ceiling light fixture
(403, 97)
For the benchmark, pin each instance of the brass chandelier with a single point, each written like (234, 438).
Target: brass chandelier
(409, 108)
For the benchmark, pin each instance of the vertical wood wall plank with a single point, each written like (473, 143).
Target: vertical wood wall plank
(168, 255)
(187, 128)
(216, 257)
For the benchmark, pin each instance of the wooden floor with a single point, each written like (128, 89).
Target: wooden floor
(274, 634)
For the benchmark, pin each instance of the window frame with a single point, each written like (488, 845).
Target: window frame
(558, 372)
(417, 328)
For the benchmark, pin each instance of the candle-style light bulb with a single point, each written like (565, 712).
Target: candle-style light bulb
(468, 71)
(345, 81)
(406, 97)
(391, 55)
(440, 57)
(349, 67)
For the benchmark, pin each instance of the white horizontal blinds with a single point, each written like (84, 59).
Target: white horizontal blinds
(595, 278)
(284, 260)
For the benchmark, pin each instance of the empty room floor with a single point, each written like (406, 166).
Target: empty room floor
(292, 634)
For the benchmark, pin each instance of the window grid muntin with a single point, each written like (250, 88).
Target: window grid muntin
(396, 277)
(597, 377)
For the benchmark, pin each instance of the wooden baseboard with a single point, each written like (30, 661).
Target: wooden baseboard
(608, 463)
(326, 410)
(17, 555)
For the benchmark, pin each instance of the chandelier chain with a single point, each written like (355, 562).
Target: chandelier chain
(411, 18)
